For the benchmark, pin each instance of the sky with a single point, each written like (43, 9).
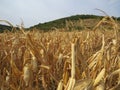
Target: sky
(33, 12)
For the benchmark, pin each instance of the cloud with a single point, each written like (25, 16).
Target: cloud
(113, 1)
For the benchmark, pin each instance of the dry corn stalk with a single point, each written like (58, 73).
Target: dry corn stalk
(66, 73)
(34, 63)
(71, 82)
(73, 47)
(99, 77)
(27, 75)
(16, 71)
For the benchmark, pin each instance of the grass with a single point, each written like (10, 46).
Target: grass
(62, 60)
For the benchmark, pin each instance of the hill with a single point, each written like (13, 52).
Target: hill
(5, 27)
(84, 21)
(61, 23)
(78, 22)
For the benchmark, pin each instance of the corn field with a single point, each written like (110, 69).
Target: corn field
(61, 60)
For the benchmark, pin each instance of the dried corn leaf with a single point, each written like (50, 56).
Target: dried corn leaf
(60, 86)
(70, 84)
(99, 77)
(84, 85)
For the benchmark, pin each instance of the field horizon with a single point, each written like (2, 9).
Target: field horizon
(86, 21)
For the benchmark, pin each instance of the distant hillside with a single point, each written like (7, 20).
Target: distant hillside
(78, 22)
(88, 21)
(61, 23)
(5, 27)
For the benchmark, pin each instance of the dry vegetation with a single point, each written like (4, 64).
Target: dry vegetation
(86, 60)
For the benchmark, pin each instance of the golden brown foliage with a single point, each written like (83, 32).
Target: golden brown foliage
(86, 60)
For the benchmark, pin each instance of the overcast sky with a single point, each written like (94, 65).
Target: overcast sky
(38, 11)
